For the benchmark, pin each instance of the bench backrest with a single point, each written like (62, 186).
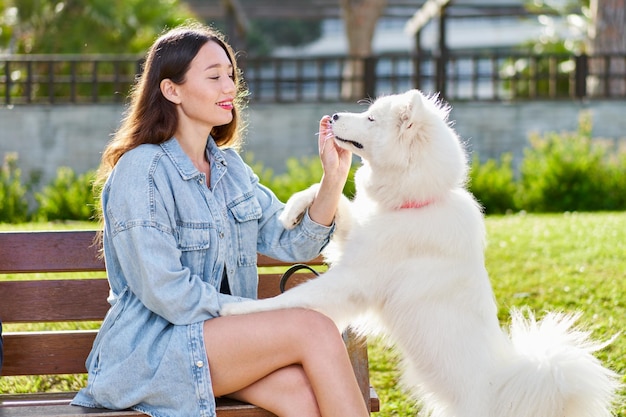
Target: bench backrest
(35, 288)
(66, 299)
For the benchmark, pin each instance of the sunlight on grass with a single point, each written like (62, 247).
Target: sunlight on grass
(68, 225)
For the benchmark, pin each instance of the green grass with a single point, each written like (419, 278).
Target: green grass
(67, 225)
(566, 262)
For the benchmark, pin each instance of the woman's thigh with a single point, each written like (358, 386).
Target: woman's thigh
(247, 348)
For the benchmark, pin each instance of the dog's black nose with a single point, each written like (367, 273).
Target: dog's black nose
(335, 116)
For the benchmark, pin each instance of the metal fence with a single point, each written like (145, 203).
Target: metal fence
(84, 79)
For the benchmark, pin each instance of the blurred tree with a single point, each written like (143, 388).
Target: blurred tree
(607, 35)
(550, 15)
(86, 26)
(596, 27)
(267, 34)
(360, 18)
(8, 17)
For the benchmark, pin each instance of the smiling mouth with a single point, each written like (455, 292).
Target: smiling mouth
(351, 142)
(228, 105)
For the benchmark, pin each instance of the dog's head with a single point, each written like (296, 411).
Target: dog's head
(407, 136)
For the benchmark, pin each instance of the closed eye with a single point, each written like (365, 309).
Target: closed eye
(217, 77)
(370, 118)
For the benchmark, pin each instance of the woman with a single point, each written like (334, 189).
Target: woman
(184, 218)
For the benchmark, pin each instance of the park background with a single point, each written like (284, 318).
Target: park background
(567, 260)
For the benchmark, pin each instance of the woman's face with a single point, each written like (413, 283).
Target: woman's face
(206, 96)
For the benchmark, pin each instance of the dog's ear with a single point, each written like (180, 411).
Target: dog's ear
(413, 107)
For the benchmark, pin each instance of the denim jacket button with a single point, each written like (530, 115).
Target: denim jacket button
(199, 364)
(221, 235)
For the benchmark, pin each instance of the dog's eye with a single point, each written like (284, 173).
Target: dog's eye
(370, 118)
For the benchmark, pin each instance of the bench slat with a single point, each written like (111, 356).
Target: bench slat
(57, 405)
(47, 353)
(66, 251)
(269, 283)
(263, 260)
(83, 299)
(58, 251)
(54, 300)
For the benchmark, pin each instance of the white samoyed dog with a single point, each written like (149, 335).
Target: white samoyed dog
(408, 252)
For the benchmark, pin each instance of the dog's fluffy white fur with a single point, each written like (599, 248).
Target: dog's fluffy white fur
(408, 251)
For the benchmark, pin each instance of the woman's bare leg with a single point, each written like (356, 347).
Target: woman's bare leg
(286, 392)
(264, 356)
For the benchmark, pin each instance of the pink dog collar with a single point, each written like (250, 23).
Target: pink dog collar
(415, 204)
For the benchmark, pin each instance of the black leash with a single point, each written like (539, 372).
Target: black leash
(289, 272)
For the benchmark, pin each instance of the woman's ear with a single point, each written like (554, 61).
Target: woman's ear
(169, 90)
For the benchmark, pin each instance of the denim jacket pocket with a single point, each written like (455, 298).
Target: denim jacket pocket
(193, 236)
(246, 214)
(194, 241)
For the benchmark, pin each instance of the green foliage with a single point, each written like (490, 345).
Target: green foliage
(67, 197)
(572, 172)
(80, 27)
(530, 75)
(267, 34)
(493, 184)
(13, 203)
(7, 21)
(89, 26)
(545, 74)
(568, 171)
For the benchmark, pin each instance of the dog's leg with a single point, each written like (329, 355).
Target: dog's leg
(313, 294)
(343, 219)
(297, 205)
(300, 201)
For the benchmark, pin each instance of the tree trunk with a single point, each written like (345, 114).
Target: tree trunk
(360, 18)
(607, 36)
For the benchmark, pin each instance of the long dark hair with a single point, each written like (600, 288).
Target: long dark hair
(150, 117)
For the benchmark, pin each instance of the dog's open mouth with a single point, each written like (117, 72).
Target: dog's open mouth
(352, 142)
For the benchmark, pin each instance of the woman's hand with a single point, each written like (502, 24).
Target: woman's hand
(336, 163)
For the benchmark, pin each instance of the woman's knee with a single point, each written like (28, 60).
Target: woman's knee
(314, 328)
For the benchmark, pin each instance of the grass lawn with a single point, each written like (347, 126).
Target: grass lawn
(566, 262)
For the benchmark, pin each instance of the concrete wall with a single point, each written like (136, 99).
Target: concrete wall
(46, 137)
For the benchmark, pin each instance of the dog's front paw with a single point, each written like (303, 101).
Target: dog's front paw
(297, 205)
(235, 309)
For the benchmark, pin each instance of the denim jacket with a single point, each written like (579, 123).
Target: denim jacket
(168, 242)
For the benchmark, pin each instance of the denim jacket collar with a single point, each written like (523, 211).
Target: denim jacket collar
(183, 164)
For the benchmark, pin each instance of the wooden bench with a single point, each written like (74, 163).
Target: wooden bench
(83, 298)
